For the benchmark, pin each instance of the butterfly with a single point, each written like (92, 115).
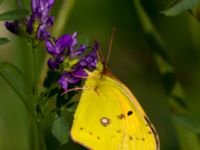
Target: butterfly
(109, 117)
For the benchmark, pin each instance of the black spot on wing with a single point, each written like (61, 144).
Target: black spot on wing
(130, 137)
(136, 138)
(121, 116)
(90, 133)
(119, 131)
(129, 113)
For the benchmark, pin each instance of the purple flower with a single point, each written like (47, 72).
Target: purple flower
(66, 79)
(72, 77)
(59, 49)
(90, 61)
(13, 26)
(40, 17)
(68, 57)
(38, 23)
(77, 72)
(60, 45)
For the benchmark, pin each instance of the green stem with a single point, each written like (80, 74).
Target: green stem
(177, 101)
(42, 144)
(35, 78)
(63, 16)
(60, 24)
(37, 135)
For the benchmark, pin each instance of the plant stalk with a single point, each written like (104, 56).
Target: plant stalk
(63, 15)
(35, 75)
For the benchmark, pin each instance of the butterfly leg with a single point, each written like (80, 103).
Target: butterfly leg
(74, 89)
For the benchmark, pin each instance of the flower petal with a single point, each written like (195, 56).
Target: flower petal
(34, 5)
(59, 59)
(63, 82)
(52, 64)
(12, 26)
(50, 48)
(79, 73)
(73, 80)
(63, 42)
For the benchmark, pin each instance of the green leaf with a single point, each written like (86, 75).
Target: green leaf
(3, 41)
(14, 14)
(60, 129)
(188, 121)
(18, 83)
(195, 11)
(1, 1)
(180, 7)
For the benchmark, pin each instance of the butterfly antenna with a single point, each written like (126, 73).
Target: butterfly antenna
(110, 44)
(100, 56)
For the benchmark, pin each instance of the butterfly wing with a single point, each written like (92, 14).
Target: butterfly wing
(144, 125)
(108, 117)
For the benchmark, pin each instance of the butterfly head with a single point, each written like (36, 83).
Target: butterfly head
(95, 76)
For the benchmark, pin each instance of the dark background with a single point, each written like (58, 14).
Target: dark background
(131, 61)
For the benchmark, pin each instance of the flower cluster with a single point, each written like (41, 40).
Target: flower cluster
(37, 24)
(68, 57)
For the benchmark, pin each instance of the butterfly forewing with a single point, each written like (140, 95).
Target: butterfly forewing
(107, 119)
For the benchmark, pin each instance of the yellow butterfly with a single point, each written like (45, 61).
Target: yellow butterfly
(109, 117)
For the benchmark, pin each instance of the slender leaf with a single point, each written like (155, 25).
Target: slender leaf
(60, 129)
(3, 41)
(188, 121)
(195, 11)
(180, 7)
(173, 89)
(19, 84)
(14, 14)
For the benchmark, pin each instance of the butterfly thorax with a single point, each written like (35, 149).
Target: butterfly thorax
(92, 81)
(96, 76)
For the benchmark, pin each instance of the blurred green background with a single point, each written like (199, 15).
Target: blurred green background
(131, 61)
